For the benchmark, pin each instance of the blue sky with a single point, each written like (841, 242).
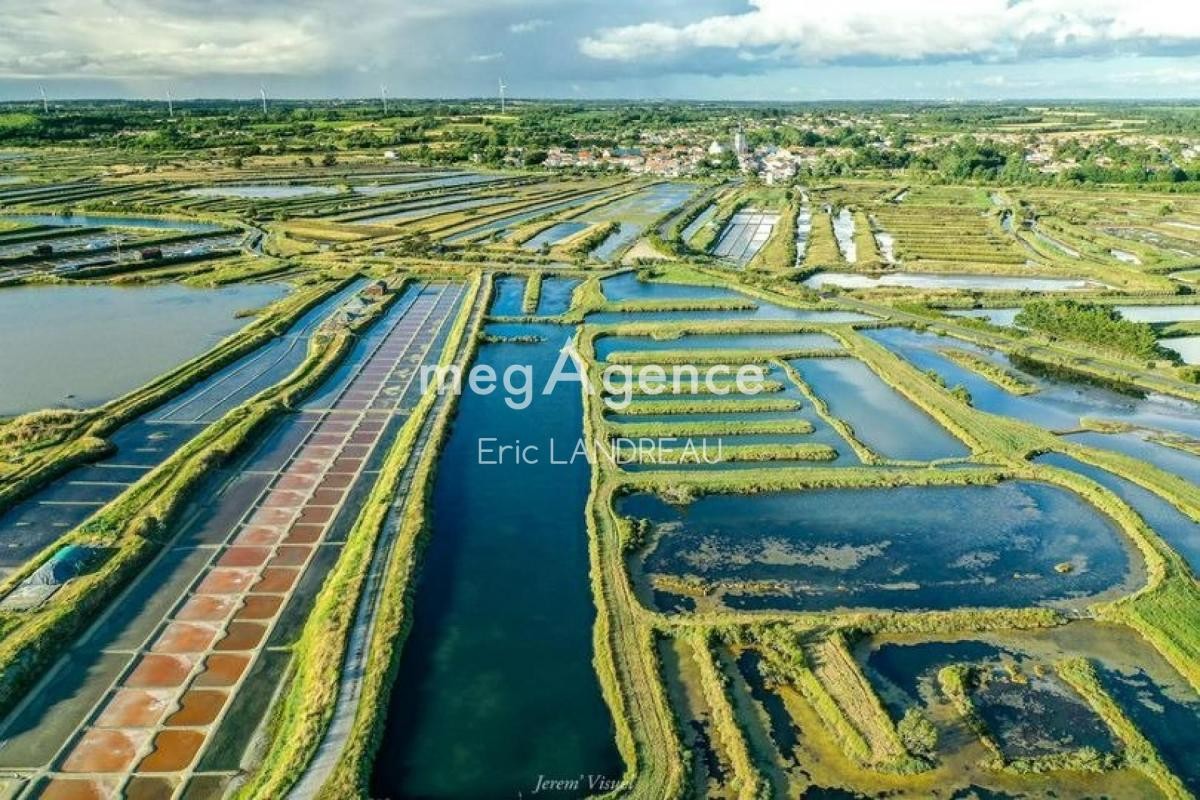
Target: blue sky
(687, 49)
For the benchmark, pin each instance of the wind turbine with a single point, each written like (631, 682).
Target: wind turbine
(383, 94)
(262, 92)
(170, 104)
(502, 88)
(45, 102)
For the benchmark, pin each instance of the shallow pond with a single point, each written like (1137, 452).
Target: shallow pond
(556, 295)
(693, 227)
(645, 206)
(1188, 348)
(627, 286)
(554, 234)
(803, 230)
(882, 418)
(822, 432)
(496, 685)
(78, 346)
(507, 222)
(1058, 406)
(266, 191)
(509, 297)
(1007, 316)
(625, 233)
(441, 182)
(768, 342)
(995, 283)
(843, 231)
(899, 548)
(1165, 708)
(1036, 715)
(102, 221)
(1169, 721)
(1178, 529)
(420, 210)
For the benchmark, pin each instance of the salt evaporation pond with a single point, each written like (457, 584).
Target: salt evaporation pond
(985, 283)
(78, 346)
(266, 191)
(913, 547)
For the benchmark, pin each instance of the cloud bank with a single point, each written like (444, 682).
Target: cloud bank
(883, 32)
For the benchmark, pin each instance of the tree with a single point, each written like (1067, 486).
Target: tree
(918, 734)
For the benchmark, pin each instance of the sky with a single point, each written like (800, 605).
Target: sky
(782, 50)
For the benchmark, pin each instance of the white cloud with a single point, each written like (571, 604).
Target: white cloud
(483, 58)
(528, 26)
(148, 39)
(915, 30)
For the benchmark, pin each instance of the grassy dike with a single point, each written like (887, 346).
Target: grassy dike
(88, 439)
(533, 292)
(992, 373)
(625, 655)
(301, 715)
(138, 523)
(747, 781)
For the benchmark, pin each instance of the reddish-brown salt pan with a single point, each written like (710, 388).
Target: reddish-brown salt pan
(284, 498)
(259, 606)
(256, 535)
(290, 556)
(242, 636)
(295, 482)
(316, 514)
(185, 637)
(104, 750)
(173, 751)
(226, 580)
(74, 789)
(327, 497)
(159, 670)
(243, 557)
(222, 669)
(339, 481)
(275, 580)
(197, 707)
(205, 608)
(305, 534)
(133, 708)
(271, 516)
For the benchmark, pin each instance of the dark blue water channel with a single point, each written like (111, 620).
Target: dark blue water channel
(148, 440)
(496, 685)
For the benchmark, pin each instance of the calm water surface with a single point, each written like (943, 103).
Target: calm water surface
(496, 684)
(76, 346)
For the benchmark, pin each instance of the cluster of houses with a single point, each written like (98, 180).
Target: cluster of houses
(670, 162)
(673, 160)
